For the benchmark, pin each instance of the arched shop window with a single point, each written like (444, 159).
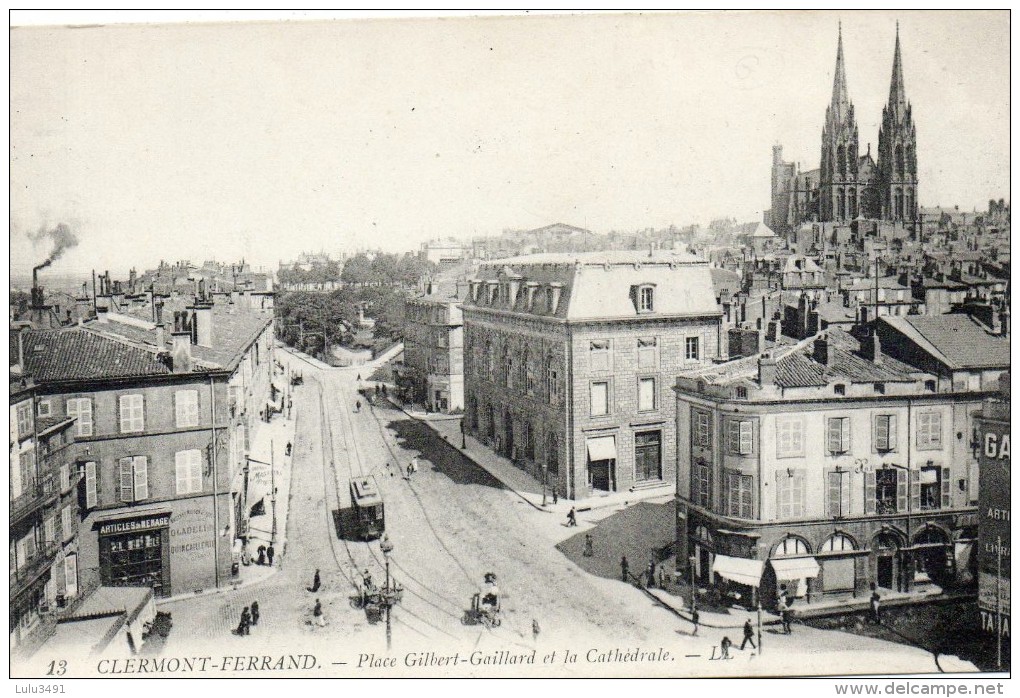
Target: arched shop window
(791, 546)
(838, 542)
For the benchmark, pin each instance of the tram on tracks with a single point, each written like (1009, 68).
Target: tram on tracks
(369, 519)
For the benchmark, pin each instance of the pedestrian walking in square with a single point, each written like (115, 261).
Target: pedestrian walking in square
(724, 648)
(748, 635)
(316, 583)
(556, 495)
(317, 614)
(534, 630)
(244, 626)
(624, 568)
(571, 517)
(270, 553)
(588, 545)
(651, 573)
(254, 613)
(262, 555)
(695, 619)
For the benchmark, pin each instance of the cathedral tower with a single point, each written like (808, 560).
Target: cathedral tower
(840, 188)
(897, 149)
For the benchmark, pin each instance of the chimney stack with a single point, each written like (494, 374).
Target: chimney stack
(873, 347)
(202, 314)
(767, 369)
(822, 353)
(160, 328)
(181, 342)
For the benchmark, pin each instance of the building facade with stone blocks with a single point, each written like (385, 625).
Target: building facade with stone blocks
(434, 349)
(568, 359)
(825, 469)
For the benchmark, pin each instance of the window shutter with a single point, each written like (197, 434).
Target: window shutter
(141, 477)
(869, 492)
(891, 421)
(91, 485)
(947, 498)
(936, 429)
(71, 575)
(881, 433)
(127, 488)
(915, 490)
(834, 435)
(845, 434)
(831, 494)
(732, 436)
(746, 438)
(901, 490)
(181, 467)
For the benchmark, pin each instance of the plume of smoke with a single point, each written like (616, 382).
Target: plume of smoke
(63, 239)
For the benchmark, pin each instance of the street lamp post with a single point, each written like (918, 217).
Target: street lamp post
(694, 598)
(387, 547)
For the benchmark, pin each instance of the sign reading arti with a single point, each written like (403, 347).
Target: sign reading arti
(126, 525)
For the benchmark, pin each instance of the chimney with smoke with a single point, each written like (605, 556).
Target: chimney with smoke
(63, 239)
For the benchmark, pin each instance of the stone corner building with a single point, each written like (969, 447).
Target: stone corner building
(568, 360)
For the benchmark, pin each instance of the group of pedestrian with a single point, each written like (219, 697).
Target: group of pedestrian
(318, 617)
(266, 555)
(249, 619)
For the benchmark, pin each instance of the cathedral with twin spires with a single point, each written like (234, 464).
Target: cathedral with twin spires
(850, 184)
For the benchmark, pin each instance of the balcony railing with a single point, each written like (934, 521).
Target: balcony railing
(25, 574)
(34, 496)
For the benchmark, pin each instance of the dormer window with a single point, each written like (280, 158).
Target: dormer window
(646, 298)
(839, 389)
(740, 392)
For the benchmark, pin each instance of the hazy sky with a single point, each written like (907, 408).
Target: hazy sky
(266, 139)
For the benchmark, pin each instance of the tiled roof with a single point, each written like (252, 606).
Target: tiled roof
(725, 279)
(232, 332)
(956, 340)
(77, 353)
(796, 366)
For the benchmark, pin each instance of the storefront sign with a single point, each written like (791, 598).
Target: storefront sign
(134, 524)
(988, 623)
(987, 593)
(191, 532)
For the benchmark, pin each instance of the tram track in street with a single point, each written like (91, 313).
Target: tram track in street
(354, 459)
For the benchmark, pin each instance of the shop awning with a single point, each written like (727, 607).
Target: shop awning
(602, 448)
(795, 567)
(738, 569)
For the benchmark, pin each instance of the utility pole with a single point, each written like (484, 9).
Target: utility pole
(272, 485)
(998, 603)
(758, 592)
(694, 597)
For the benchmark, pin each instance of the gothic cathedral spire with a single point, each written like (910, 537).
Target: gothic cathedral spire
(897, 149)
(840, 100)
(839, 196)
